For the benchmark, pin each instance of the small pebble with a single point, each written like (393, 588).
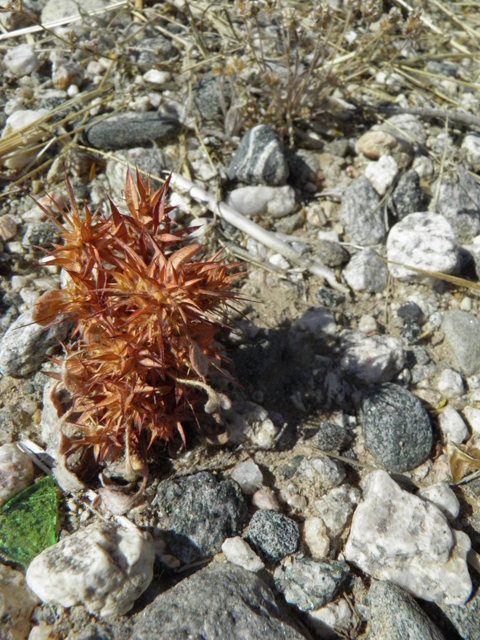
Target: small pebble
(316, 537)
(263, 200)
(16, 472)
(248, 476)
(450, 384)
(273, 535)
(382, 174)
(238, 552)
(453, 426)
(21, 60)
(472, 414)
(265, 499)
(443, 497)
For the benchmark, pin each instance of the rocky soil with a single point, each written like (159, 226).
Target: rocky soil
(334, 148)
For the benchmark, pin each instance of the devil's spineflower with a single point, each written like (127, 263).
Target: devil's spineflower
(147, 307)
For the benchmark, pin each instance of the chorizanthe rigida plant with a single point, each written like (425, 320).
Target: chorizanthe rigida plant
(147, 307)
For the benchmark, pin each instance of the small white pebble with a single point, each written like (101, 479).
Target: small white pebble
(294, 500)
(248, 476)
(316, 537)
(238, 552)
(443, 497)
(450, 384)
(264, 499)
(279, 261)
(473, 417)
(466, 304)
(382, 174)
(367, 325)
(155, 76)
(453, 426)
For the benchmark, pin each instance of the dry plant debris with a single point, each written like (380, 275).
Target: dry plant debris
(147, 310)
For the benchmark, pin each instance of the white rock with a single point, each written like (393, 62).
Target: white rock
(471, 147)
(248, 476)
(473, 417)
(16, 472)
(442, 496)
(424, 166)
(318, 321)
(238, 552)
(382, 174)
(262, 200)
(279, 261)
(155, 76)
(367, 325)
(366, 272)
(372, 359)
(400, 537)
(19, 120)
(336, 507)
(316, 537)
(423, 240)
(16, 604)
(55, 10)
(453, 426)
(333, 616)
(104, 567)
(21, 60)
(265, 499)
(247, 421)
(292, 499)
(450, 384)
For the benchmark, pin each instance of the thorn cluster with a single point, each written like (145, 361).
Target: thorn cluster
(147, 307)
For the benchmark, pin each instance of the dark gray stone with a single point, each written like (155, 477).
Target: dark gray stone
(197, 513)
(131, 129)
(331, 437)
(465, 619)
(394, 615)
(310, 584)
(328, 298)
(396, 427)
(459, 202)
(220, 602)
(26, 345)
(259, 158)
(360, 214)
(153, 50)
(411, 333)
(304, 165)
(273, 535)
(462, 333)
(409, 312)
(211, 96)
(408, 196)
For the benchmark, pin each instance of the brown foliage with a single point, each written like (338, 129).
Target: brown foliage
(147, 309)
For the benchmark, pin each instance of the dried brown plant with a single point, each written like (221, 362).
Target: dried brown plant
(147, 308)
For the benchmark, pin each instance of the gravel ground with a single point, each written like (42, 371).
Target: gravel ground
(335, 149)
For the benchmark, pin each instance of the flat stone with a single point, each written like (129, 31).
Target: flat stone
(396, 427)
(220, 602)
(238, 552)
(393, 613)
(195, 514)
(104, 567)
(399, 537)
(131, 129)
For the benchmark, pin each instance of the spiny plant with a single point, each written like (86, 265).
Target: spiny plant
(147, 308)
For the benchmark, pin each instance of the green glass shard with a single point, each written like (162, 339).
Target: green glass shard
(28, 522)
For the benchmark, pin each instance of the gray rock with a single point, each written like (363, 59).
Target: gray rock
(152, 161)
(26, 345)
(408, 196)
(40, 234)
(330, 437)
(462, 333)
(331, 254)
(465, 619)
(197, 513)
(131, 129)
(396, 427)
(304, 165)
(365, 272)
(310, 584)
(370, 359)
(336, 507)
(273, 535)
(211, 96)
(394, 615)
(328, 298)
(409, 312)
(220, 602)
(360, 214)
(150, 51)
(423, 240)
(459, 202)
(259, 158)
